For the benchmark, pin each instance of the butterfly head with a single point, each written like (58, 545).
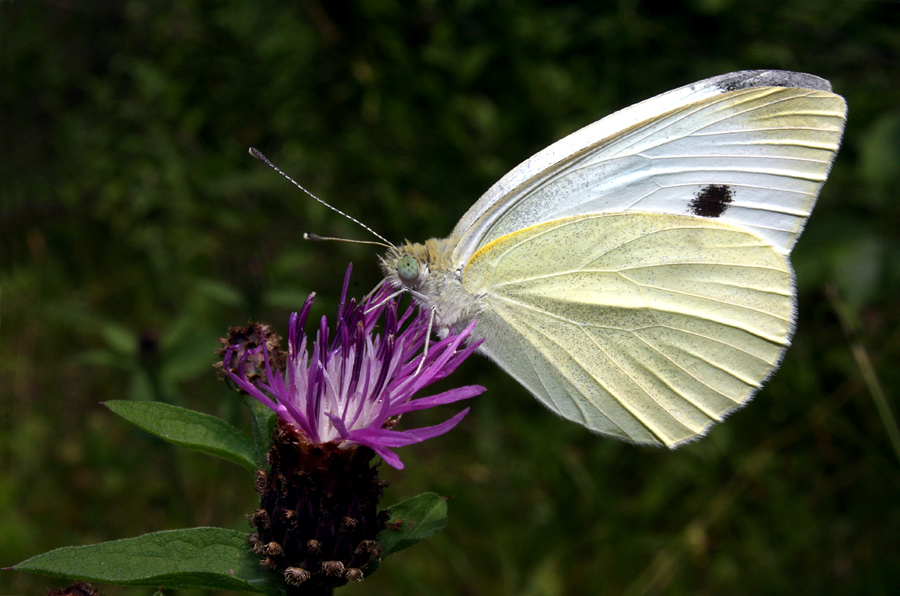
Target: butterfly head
(414, 267)
(406, 267)
(427, 272)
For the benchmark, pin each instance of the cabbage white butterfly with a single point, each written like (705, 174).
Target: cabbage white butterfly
(634, 276)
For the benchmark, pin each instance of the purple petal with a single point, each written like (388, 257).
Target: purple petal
(339, 425)
(360, 377)
(402, 438)
(386, 454)
(447, 397)
(344, 291)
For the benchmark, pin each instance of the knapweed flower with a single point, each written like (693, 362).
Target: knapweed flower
(356, 383)
(338, 404)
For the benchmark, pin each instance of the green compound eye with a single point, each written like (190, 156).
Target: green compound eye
(408, 268)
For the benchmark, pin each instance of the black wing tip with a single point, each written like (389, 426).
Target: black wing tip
(747, 79)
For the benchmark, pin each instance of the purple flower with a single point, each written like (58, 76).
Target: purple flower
(356, 383)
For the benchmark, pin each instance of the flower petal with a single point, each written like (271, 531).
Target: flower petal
(402, 438)
(352, 379)
(447, 397)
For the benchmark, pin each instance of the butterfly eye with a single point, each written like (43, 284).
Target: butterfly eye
(408, 268)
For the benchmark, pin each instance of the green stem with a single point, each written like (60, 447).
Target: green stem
(847, 318)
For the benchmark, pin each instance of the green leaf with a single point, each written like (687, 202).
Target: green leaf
(262, 422)
(187, 428)
(211, 558)
(413, 521)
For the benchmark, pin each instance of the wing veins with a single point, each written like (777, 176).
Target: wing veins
(754, 107)
(716, 300)
(688, 373)
(685, 113)
(701, 357)
(744, 131)
(637, 384)
(561, 371)
(732, 169)
(737, 156)
(744, 205)
(597, 380)
(712, 339)
(621, 270)
(556, 316)
(720, 284)
(582, 328)
(547, 391)
(657, 325)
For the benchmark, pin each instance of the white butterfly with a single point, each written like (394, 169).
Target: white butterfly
(634, 276)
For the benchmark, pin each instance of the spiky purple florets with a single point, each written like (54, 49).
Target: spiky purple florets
(356, 382)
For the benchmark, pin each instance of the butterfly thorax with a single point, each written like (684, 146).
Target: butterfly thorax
(428, 272)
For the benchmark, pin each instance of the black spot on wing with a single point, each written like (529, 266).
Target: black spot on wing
(746, 79)
(711, 201)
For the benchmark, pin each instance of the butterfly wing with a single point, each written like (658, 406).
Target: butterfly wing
(750, 148)
(647, 327)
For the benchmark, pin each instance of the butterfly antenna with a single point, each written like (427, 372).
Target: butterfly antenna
(311, 236)
(258, 155)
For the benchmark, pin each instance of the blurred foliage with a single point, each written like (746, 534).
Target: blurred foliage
(134, 229)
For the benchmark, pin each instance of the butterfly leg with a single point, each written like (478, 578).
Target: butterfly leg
(431, 316)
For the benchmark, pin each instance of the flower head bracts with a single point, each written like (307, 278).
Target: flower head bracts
(356, 383)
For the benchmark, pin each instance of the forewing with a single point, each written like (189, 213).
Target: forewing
(751, 148)
(647, 327)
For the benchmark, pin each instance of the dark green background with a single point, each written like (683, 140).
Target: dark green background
(134, 229)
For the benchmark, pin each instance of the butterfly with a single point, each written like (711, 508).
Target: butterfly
(634, 276)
